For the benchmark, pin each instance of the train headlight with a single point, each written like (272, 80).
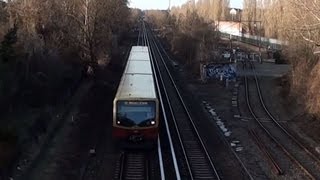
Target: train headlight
(153, 122)
(118, 122)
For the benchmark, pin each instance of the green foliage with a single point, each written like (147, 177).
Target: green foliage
(7, 51)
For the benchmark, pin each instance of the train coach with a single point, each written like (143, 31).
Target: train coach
(136, 106)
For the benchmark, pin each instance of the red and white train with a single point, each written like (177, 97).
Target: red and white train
(136, 106)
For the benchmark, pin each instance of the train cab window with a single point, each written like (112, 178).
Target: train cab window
(136, 113)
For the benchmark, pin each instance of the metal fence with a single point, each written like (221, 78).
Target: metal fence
(255, 40)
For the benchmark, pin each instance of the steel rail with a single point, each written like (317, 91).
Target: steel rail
(134, 166)
(176, 126)
(284, 149)
(138, 41)
(224, 139)
(173, 155)
(278, 124)
(266, 152)
(194, 128)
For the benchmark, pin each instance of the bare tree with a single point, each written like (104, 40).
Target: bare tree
(298, 22)
(213, 10)
(84, 26)
(190, 32)
(3, 19)
(305, 15)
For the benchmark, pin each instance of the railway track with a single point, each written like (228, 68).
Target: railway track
(196, 160)
(139, 41)
(142, 38)
(245, 170)
(168, 163)
(275, 166)
(133, 166)
(288, 144)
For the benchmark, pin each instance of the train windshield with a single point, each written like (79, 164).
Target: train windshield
(136, 113)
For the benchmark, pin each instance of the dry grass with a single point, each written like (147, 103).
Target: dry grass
(310, 125)
(3, 30)
(305, 87)
(1, 35)
(302, 66)
(313, 92)
(299, 77)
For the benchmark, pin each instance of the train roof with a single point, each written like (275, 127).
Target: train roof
(137, 79)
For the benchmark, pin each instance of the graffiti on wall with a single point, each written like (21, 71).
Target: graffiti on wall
(226, 71)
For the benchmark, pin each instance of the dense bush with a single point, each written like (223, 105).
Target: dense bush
(7, 51)
(42, 55)
(190, 37)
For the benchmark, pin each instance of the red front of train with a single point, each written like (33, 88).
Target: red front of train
(135, 121)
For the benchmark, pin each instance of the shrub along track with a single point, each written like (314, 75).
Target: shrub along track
(79, 132)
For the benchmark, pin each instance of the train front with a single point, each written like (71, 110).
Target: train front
(136, 121)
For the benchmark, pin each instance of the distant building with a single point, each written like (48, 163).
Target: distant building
(232, 22)
(235, 14)
(230, 27)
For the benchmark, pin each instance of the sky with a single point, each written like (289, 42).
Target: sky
(164, 4)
